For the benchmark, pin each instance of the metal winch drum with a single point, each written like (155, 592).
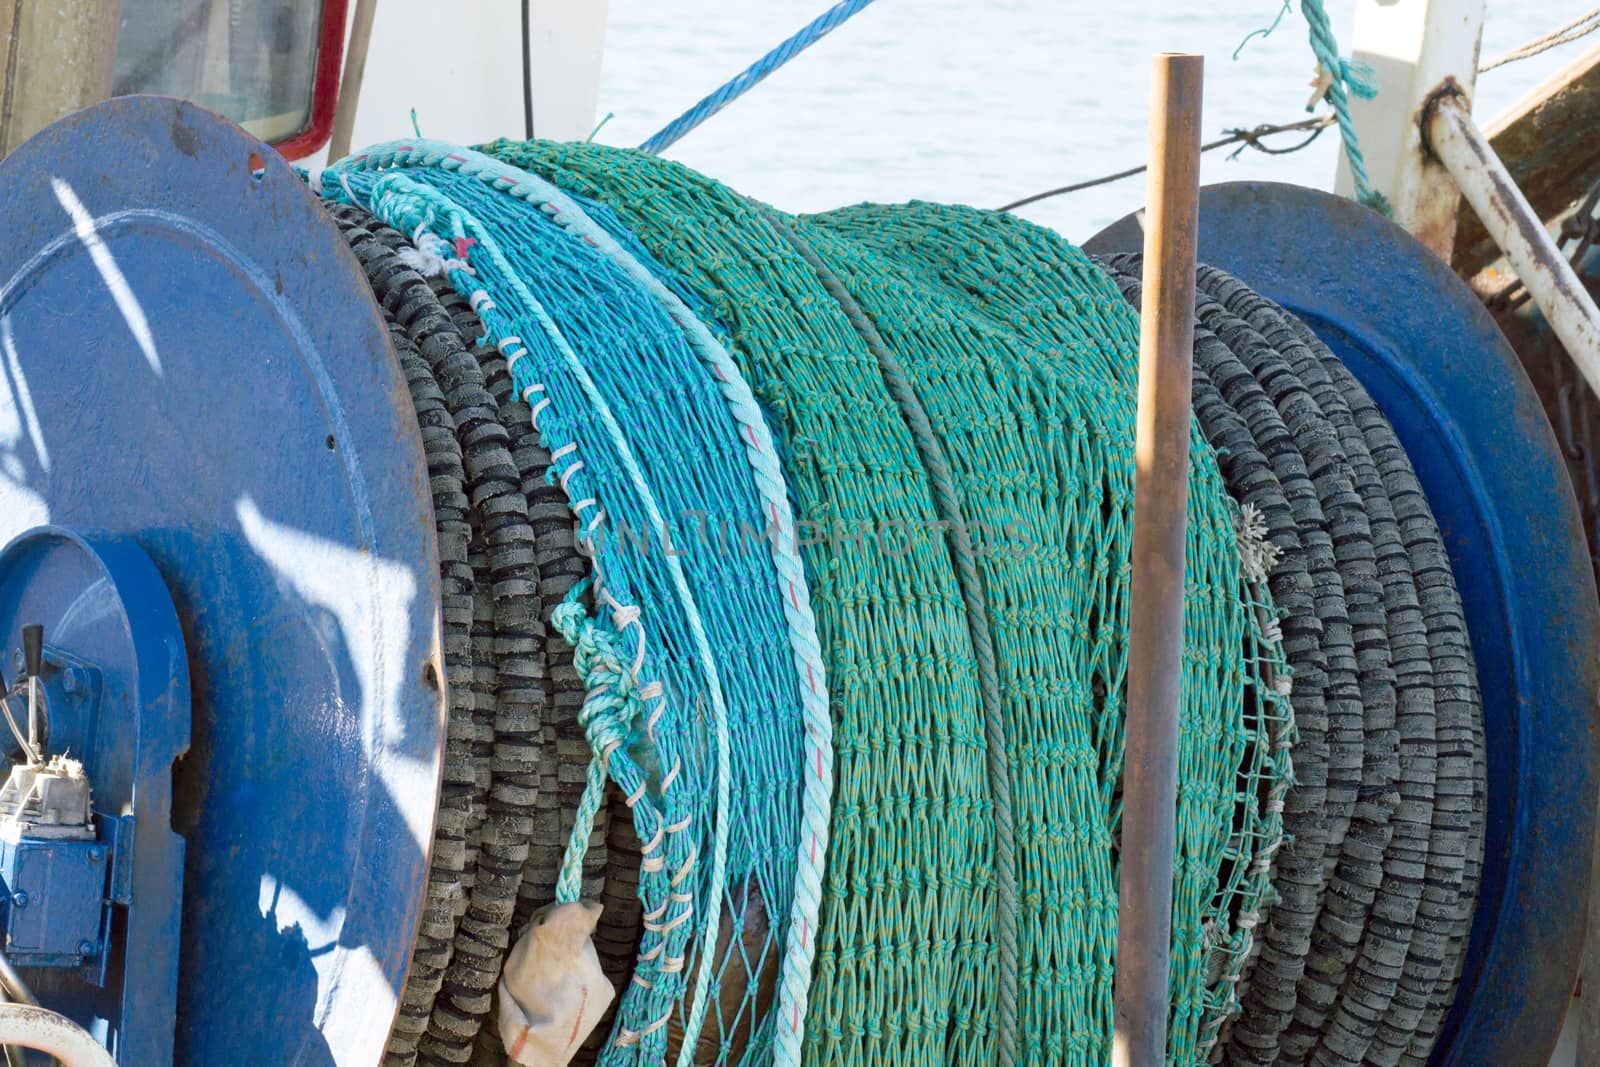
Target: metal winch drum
(216, 504)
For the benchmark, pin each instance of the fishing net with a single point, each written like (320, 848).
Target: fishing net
(910, 391)
(855, 494)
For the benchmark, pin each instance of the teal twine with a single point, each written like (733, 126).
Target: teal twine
(610, 707)
(772, 487)
(1349, 78)
(1265, 31)
(948, 503)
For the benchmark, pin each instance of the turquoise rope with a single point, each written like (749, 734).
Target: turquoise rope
(610, 708)
(1349, 79)
(409, 205)
(772, 488)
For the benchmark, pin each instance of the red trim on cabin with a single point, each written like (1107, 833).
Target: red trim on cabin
(324, 86)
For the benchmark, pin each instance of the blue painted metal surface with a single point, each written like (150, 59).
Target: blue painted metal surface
(70, 687)
(53, 903)
(105, 609)
(190, 358)
(1467, 415)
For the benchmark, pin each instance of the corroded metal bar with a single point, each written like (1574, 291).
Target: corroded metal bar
(1547, 142)
(1160, 519)
(1506, 215)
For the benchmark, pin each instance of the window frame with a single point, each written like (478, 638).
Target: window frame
(324, 86)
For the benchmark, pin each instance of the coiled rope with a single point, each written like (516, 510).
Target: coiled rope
(923, 415)
(895, 931)
(1361, 955)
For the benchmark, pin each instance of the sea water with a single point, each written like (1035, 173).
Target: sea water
(984, 103)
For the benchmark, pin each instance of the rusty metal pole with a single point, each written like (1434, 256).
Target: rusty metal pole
(1160, 521)
(1555, 287)
(355, 70)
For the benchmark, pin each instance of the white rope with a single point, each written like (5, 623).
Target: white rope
(1579, 27)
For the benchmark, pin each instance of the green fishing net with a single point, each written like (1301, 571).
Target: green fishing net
(1022, 357)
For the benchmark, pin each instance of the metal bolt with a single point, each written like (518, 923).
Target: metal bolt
(74, 681)
(19, 899)
(16, 659)
(85, 948)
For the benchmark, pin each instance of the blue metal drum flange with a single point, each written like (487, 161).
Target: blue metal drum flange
(1440, 369)
(191, 359)
(110, 626)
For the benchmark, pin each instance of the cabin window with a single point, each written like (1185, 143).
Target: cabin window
(272, 66)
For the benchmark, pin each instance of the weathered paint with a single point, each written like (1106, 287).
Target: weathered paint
(1505, 213)
(206, 374)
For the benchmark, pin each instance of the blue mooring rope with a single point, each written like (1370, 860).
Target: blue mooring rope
(814, 31)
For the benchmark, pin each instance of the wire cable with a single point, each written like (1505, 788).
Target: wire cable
(1251, 138)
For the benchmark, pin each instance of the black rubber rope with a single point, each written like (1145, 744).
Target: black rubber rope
(1398, 855)
(1363, 757)
(565, 752)
(1323, 688)
(482, 932)
(448, 862)
(1455, 842)
(1445, 909)
(1402, 884)
(462, 972)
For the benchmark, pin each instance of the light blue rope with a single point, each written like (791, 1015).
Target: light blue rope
(611, 706)
(409, 205)
(814, 31)
(1349, 79)
(438, 203)
(771, 485)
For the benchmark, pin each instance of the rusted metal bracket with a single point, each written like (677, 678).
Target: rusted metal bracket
(1450, 136)
(1548, 144)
